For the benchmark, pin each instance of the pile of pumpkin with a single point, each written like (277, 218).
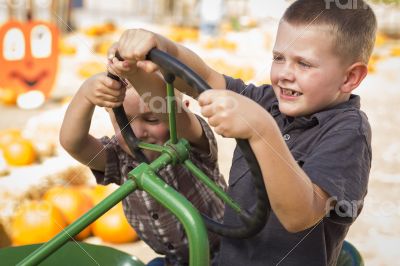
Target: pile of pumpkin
(41, 218)
(37, 221)
(182, 34)
(16, 149)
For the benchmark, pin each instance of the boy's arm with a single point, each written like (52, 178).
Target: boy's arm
(74, 133)
(297, 202)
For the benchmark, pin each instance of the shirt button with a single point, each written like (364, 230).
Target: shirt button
(286, 137)
(170, 246)
(155, 216)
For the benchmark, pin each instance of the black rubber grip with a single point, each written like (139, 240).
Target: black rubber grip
(172, 66)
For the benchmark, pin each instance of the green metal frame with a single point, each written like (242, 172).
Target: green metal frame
(143, 177)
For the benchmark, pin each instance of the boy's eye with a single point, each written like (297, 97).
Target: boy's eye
(304, 64)
(152, 120)
(277, 58)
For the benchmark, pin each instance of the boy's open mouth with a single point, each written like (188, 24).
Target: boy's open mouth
(289, 92)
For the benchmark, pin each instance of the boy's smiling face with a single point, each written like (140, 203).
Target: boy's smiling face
(306, 74)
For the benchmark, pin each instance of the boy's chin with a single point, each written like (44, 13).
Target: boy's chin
(289, 110)
(294, 112)
(151, 155)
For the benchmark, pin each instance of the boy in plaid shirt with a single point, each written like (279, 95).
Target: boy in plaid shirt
(111, 161)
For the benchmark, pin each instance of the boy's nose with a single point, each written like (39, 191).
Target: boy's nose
(140, 131)
(286, 73)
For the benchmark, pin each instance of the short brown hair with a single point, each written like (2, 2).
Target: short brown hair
(353, 24)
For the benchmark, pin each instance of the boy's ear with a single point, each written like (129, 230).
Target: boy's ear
(354, 75)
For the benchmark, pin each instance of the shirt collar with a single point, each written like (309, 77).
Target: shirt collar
(352, 103)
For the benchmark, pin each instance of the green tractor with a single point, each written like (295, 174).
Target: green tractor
(61, 251)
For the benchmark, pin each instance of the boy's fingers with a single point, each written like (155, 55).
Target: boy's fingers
(135, 44)
(112, 69)
(147, 66)
(106, 100)
(109, 102)
(121, 95)
(122, 66)
(143, 46)
(113, 92)
(110, 98)
(113, 84)
(122, 90)
(112, 50)
(207, 110)
(112, 104)
(220, 130)
(141, 50)
(110, 87)
(214, 121)
(205, 98)
(119, 65)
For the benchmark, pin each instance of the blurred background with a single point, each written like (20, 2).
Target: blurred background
(48, 48)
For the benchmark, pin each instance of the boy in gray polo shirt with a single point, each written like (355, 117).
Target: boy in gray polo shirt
(311, 140)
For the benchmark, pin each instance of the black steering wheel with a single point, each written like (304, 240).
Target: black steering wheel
(253, 222)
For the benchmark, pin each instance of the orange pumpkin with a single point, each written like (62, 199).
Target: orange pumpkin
(100, 192)
(28, 56)
(19, 152)
(73, 203)
(36, 222)
(7, 135)
(113, 227)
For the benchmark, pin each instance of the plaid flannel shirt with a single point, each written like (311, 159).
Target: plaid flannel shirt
(153, 223)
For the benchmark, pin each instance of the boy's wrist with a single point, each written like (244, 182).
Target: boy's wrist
(167, 45)
(84, 96)
(262, 129)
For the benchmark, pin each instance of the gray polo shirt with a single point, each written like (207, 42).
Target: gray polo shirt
(333, 147)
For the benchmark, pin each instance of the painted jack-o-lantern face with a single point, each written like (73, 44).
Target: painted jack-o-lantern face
(28, 56)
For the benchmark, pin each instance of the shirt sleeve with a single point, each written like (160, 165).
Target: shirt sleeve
(340, 165)
(112, 173)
